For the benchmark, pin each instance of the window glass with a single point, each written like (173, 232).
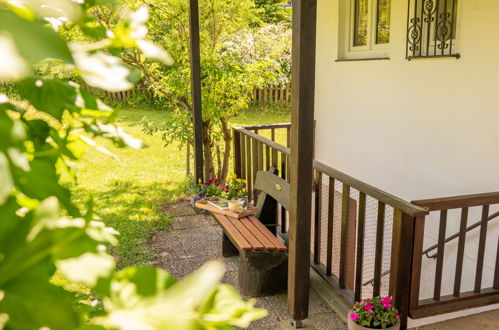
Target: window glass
(383, 22)
(361, 22)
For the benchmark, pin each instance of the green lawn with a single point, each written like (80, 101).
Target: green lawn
(128, 192)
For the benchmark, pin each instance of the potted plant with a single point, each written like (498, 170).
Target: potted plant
(374, 313)
(231, 188)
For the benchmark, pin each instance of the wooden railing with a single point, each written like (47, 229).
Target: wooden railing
(457, 298)
(344, 210)
(363, 235)
(253, 152)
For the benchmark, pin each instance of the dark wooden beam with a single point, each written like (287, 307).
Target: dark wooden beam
(302, 129)
(197, 113)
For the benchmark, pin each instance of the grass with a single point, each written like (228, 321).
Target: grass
(128, 192)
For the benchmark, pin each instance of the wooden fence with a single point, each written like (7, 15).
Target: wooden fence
(366, 242)
(272, 95)
(121, 96)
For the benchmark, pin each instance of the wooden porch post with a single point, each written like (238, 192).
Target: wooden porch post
(301, 165)
(197, 113)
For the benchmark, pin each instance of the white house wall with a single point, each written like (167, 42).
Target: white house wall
(417, 129)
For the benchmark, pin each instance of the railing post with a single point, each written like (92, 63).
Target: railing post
(237, 153)
(400, 273)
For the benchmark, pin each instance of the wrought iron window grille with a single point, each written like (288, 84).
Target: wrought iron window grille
(431, 29)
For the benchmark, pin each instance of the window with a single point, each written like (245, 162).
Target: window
(368, 32)
(432, 28)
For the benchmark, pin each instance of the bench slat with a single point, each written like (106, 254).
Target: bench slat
(268, 244)
(256, 244)
(264, 230)
(232, 231)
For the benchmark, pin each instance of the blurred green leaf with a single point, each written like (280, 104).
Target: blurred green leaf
(34, 41)
(49, 95)
(7, 183)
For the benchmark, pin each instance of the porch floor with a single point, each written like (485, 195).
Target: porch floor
(195, 239)
(484, 320)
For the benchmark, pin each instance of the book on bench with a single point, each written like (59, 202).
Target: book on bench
(220, 204)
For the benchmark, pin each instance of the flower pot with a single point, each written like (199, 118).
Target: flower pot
(354, 326)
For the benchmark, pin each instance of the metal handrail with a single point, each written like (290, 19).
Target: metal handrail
(448, 239)
(456, 235)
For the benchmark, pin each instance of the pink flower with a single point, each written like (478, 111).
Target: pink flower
(397, 316)
(386, 300)
(368, 307)
(354, 316)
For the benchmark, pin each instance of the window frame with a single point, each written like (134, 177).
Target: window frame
(371, 50)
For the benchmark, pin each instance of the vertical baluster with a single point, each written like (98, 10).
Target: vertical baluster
(260, 156)
(481, 249)
(255, 165)
(344, 236)
(417, 253)
(288, 136)
(249, 181)
(272, 134)
(317, 216)
(378, 258)
(330, 224)
(440, 255)
(243, 157)
(267, 158)
(237, 153)
(460, 251)
(274, 158)
(360, 246)
(283, 210)
(495, 285)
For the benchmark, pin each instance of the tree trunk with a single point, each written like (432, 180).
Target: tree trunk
(227, 134)
(209, 169)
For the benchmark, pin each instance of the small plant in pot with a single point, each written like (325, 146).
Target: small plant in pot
(374, 313)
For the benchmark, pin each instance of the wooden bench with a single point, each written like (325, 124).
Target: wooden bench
(263, 257)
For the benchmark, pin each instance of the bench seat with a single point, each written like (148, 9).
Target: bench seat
(249, 233)
(263, 266)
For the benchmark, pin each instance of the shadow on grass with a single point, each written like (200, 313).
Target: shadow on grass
(134, 211)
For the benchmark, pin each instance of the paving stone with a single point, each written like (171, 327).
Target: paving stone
(230, 278)
(271, 321)
(195, 239)
(202, 241)
(280, 304)
(189, 222)
(178, 209)
(327, 321)
(178, 267)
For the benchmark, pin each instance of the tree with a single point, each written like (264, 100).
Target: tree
(41, 134)
(274, 11)
(228, 75)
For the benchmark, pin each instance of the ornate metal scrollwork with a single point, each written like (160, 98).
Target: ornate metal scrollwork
(431, 28)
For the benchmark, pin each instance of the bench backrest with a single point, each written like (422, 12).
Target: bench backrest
(271, 185)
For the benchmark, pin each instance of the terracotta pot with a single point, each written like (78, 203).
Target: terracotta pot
(354, 326)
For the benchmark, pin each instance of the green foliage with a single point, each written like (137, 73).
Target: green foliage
(231, 188)
(41, 135)
(273, 11)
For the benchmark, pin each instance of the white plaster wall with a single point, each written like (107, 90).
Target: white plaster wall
(417, 129)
